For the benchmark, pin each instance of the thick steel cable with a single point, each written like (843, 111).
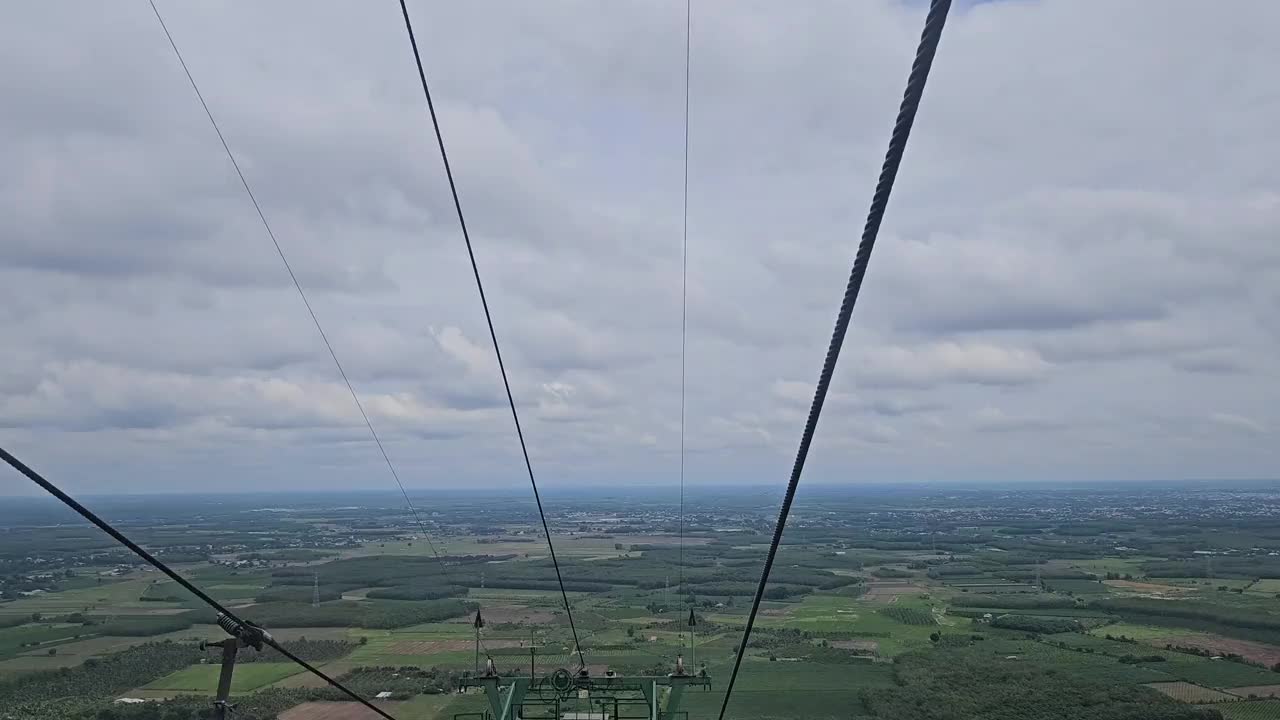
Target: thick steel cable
(106, 527)
(929, 38)
(298, 286)
(493, 335)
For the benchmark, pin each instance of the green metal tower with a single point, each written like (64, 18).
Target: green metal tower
(565, 696)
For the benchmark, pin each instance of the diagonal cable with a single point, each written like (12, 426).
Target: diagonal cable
(493, 335)
(106, 527)
(298, 286)
(929, 38)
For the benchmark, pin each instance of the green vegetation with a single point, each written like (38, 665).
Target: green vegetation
(298, 594)
(417, 592)
(57, 692)
(149, 625)
(875, 609)
(309, 650)
(203, 679)
(387, 614)
(22, 638)
(909, 615)
(1254, 710)
(1076, 586)
(980, 682)
(1014, 602)
(289, 555)
(1248, 568)
(1036, 623)
(1216, 614)
(814, 691)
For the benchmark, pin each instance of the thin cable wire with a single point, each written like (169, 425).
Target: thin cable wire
(684, 279)
(298, 286)
(106, 527)
(493, 335)
(929, 38)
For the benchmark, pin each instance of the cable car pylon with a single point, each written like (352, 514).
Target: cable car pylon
(478, 624)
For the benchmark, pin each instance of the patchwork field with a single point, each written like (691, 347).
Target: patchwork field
(1147, 588)
(1266, 655)
(882, 591)
(1189, 693)
(866, 623)
(1145, 633)
(1257, 710)
(1262, 691)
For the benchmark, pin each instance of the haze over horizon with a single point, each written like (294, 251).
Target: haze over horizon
(1077, 279)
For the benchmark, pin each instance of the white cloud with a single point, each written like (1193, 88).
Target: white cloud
(1080, 248)
(1237, 423)
(950, 362)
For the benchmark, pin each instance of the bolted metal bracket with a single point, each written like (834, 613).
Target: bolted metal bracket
(242, 635)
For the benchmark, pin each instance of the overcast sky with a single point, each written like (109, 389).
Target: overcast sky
(1078, 277)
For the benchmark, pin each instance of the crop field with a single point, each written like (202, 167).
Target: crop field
(1147, 588)
(887, 592)
(871, 624)
(1249, 710)
(1262, 691)
(204, 678)
(1261, 653)
(1145, 633)
(1190, 693)
(909, 615)
(859, 619)
(1078, 587)
(1213, 673)
(1203, 585)
(114, 597)
(1071, 612)
(1102, 566)
(819, 691)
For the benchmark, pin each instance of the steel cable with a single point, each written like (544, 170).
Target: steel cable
(934, 22)
(493, 335)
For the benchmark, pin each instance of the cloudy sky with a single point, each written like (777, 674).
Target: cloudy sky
(1078, 277)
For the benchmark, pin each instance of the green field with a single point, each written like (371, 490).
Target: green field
(116, 597)
(14, 640)
(204, 678)
(1204, 585)
(1266, 585)
(1146, 633)
(1078, 587)
(69, 653)
(1249, 710)
(1214, 673)
(1102, 566)
(827, 613)
(813, 690)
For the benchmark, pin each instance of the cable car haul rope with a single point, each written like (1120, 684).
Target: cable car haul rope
(934, 22)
